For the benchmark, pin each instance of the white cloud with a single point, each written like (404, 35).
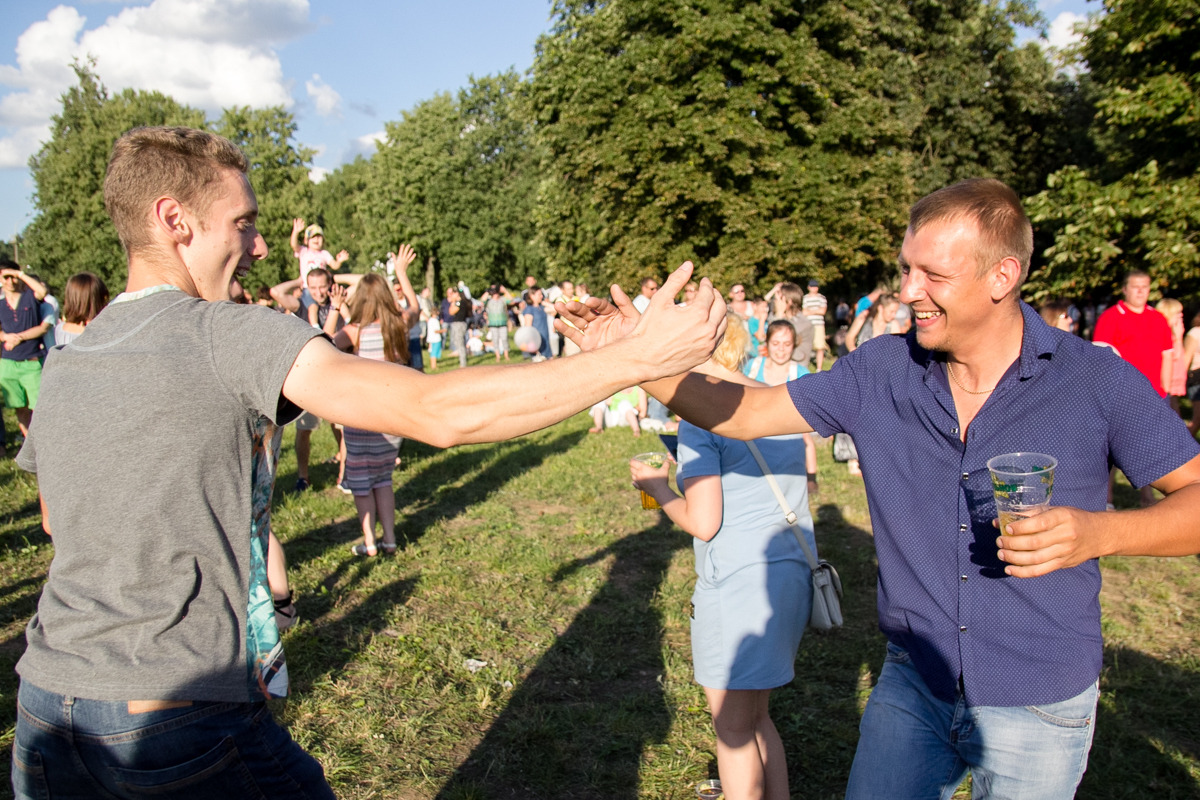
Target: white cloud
(1063, 33)
(326, 98)
(317, 174)
(209, 54)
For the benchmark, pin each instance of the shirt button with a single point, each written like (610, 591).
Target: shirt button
(954, 430)
(962, 628)
(962, 527)
(963, 578)
(966, 475)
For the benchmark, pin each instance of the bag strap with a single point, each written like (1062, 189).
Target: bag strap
(788, 514)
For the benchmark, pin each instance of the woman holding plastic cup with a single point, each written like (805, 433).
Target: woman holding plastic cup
(753, 586)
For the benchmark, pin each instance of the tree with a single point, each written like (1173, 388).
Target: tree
(279, 176)
(336, 199)
(758, 138)
(483, 200)
(70, 231)
(395, 204)
(1139, 205)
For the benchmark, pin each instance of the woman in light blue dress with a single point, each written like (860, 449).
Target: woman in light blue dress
(753, 585)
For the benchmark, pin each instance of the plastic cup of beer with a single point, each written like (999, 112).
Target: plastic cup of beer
(655, 460)
(709, 790)
(1022, 484)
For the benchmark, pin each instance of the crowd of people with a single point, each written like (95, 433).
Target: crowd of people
(150, 658)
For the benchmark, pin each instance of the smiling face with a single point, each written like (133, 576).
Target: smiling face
(780, 345)
(940, 280)
(316, 241)
(225, 241)
(318, 287)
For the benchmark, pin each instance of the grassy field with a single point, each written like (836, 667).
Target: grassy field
(535, 557)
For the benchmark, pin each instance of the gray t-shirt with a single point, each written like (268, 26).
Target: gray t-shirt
(151, 446)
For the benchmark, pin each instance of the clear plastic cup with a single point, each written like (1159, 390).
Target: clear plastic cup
(709, 790)
(1022, 484)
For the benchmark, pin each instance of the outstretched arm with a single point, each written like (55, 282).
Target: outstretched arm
(497, 402)
(728, 409)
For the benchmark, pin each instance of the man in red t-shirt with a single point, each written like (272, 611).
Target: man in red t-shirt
(1141, 336)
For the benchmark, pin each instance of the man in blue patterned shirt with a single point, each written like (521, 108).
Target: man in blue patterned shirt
(994, 643)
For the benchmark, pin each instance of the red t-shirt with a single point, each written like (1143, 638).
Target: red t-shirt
(1141, 339)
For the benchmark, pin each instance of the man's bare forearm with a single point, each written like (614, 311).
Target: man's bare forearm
(729, 409)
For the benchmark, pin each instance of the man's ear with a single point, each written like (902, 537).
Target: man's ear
(172, 220)
(1006, 277)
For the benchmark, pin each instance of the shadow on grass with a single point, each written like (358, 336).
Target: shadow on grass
(817, 714)
(577, 725)
(446, 487)
(1146, 724)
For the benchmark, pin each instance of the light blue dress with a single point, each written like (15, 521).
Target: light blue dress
(753, 584)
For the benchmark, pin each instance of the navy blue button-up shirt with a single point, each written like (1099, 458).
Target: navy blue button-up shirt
(943, 594)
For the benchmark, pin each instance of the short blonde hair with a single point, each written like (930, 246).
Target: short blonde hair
(1169, 307)
(149, 163)
(732, 350)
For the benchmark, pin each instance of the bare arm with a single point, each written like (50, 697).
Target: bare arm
(297, 226)
(855, 327)
(1168, 369)
(1065, 537)
(45, 516)
(697, 513)
(1189, 350)
(282, 293)
(730, 409)
(404, 258)
(337, 298)
(490, 403)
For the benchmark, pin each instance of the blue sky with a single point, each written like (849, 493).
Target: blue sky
(343, 68)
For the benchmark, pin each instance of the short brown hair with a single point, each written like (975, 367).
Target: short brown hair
(84, 297)
(149, 163)
(1004, 230)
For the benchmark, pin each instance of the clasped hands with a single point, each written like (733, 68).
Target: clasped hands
(676, 338)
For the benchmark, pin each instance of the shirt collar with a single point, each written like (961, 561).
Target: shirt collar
(1038, 344)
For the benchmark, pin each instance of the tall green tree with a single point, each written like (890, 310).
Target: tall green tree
(279, 174)
(335, 202)
(395, 205)
(484, 199)
(1139, 206)
(987, 107)
(70, 231)
(758, 138)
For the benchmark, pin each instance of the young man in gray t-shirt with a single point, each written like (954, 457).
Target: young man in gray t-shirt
(154, 647)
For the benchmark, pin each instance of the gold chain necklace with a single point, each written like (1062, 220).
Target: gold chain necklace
(950, 372)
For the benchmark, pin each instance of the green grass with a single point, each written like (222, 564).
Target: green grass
(536, 557)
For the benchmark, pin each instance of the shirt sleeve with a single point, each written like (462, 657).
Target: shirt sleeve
(1147, 440)
(253, 349)
(830, 400)
(699, 454)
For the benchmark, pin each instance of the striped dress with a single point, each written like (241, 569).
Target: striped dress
(370, 456)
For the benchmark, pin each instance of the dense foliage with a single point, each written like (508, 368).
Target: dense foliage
(71, 231)
(765, 140)
(1138, 205)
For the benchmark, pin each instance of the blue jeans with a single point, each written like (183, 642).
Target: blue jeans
(70, 748)
(918, 747)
